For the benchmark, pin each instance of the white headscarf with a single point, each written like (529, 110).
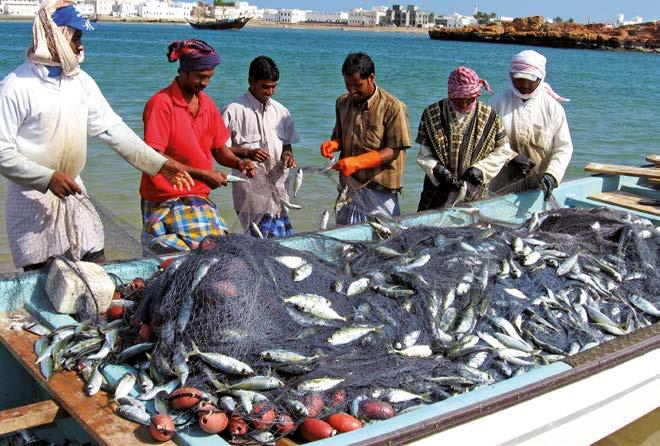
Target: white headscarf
(531, 62)
(51, 43)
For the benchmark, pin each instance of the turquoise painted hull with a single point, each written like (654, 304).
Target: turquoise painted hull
(26, 291)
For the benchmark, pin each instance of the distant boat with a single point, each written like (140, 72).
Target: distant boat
(221, 24)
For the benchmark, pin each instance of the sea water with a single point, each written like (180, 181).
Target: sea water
(613, 115)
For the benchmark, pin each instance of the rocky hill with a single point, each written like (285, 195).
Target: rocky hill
(534, 31)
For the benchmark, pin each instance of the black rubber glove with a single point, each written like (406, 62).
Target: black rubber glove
(548, 183)
(522, 164)
(443, 175)
(474, 176)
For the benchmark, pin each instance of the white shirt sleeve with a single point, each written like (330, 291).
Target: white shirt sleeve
(493, 163)
(129, 146)
(13, 165)
(562, 147)
(290, 134)
(100, 115)
(427, 161)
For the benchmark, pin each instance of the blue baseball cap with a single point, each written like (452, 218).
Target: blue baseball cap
(69, 16)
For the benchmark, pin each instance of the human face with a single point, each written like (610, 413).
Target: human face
(263, 90)
(525, 86)
(462, 103)
(192, 82)
(360, 89)
(76, 43)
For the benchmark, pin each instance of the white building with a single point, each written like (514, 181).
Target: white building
(455, 20)
(101, 7)
(327, 17)
(621, 22)
(125, 8)
(269, 15)
(362, 17)
(154, 9)
(240, 9)
(291, 15)
(20, 7)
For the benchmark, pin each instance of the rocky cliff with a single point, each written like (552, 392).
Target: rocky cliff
(534, 31)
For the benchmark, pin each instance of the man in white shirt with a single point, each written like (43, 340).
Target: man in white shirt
(262, 130)
(49, 107)
(536, 125)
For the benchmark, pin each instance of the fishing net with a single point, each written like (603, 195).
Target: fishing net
(431, 311)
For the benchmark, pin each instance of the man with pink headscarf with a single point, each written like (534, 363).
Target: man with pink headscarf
(462, 143)
(536, 125)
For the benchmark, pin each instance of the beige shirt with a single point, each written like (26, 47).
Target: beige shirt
(380, 122)
(253, 125)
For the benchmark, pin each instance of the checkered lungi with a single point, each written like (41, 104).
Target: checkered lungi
(179, 224)
(272, 226)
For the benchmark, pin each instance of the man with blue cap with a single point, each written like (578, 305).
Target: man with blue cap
(49, 107)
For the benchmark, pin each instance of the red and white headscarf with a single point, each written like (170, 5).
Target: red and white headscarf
(531, 62)
(465, 83)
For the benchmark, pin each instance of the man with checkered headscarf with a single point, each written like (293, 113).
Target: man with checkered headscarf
(462, 143)
(49, 107)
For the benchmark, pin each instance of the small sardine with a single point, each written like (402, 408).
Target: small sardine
(124, 385)
(236, 179)
(460, 195)
(134, 414)
(325, 217)
(224, 363)
(349, 334)
(297, 182)
(302, 272)
(256, 232)
(319, 384)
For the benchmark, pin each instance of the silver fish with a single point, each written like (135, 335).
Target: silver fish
(224, 363)
(297, 182)
(236, 179)
(255, 230)
(319, 384)
(330, 164)
(644, 305)
(460, 195)
(285, 356)
(134, 414)
(342, 199)
(258, 383)
(124, 385)
(325, 217)
(302, 272)
(349, 334)
(358, 287)
(567, 265)
(292, 262)
(168, 388)
(289, 205)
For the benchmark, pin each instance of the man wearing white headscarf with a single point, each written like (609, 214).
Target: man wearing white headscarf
(536, 125)
(49, 106)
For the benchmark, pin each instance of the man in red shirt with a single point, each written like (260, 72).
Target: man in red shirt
(183, 123)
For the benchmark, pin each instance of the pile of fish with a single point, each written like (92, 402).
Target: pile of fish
(420, 316)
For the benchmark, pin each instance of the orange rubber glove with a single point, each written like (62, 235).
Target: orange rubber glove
(348, 166)
(329, 147)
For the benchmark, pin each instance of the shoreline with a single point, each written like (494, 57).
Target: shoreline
(254, 23)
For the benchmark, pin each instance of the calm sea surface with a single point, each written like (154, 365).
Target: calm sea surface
(614, 115)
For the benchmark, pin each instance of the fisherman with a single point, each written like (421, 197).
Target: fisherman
(183, 123)
(536, 125)
(262, 130)
(463, 143)
(49, 107)
(372, 134)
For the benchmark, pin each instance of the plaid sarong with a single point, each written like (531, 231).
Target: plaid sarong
(272, 226)
(179, 224)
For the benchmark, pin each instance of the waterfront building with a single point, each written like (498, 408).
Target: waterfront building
(154, 9)
(376, 16)
(327, 17)
(408, 16)
(454, 20)
(620, 21)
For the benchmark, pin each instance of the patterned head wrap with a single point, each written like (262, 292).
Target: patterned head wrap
(193, 55)
(50, 42)
(532, 63)
(465, 83)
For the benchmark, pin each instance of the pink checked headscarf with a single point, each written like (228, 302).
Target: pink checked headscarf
(465, 83)
(531, 62)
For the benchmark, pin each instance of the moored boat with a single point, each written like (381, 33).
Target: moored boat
(235, 24)
(576, 401)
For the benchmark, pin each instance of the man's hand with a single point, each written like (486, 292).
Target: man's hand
(288, 160)
(329, 147)
(61, 185)
(522, 164)
(443, 175)
(474, 176)
(247, 168)
(215, 179)
(547, 184)
(348, 166)
(258, 155)
(176, 174)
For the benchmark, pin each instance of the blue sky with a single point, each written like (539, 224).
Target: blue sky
(580, 10)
